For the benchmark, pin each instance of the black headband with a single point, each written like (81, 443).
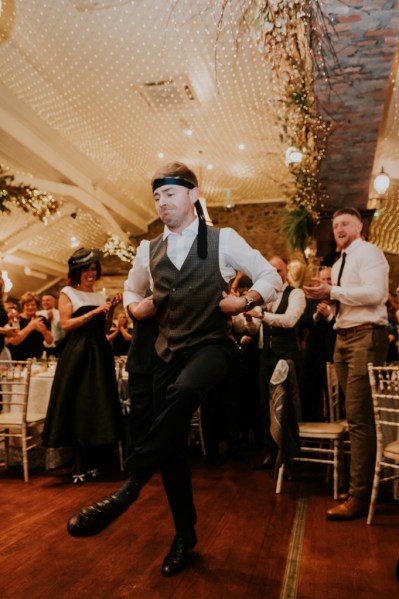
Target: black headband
(171, 181)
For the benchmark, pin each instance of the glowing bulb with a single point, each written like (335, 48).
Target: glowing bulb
(381, 182)
(293, 156)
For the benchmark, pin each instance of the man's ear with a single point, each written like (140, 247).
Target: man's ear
(193, 194)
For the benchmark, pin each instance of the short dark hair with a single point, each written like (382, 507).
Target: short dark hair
(351, 211)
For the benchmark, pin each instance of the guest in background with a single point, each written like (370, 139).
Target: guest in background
(319, 337)
(393, 354)
(360, 292)
(246, 330)
(140, 366)
(121, 335)
(49, 310)
(84, 411)
(5, 331)
(280, 341)
(34, 330)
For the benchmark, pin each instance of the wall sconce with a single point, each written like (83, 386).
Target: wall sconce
(293, 156)
(381, 182)
(7, 281)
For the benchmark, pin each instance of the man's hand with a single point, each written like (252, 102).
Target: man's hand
(321, 290)
(144, 309)
(323, 310)
(232, 304)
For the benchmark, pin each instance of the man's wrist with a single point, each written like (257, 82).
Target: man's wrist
(249, 303)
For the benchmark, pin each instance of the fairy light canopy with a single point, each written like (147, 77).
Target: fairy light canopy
(96, 94)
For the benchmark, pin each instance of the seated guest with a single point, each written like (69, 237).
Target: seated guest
(120, 335)
(33, 331)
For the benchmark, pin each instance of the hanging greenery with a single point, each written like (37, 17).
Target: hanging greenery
(38, 203)
(292, 36)
(115, 246)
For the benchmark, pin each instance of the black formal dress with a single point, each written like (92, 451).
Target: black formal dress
(84, 406)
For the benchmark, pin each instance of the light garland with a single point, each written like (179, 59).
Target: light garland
(39, 203)
(115, 246)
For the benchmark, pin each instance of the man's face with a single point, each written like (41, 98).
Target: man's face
(346, 228)
(325, 275)
(281, 267)
(175, 206)
(48, 302)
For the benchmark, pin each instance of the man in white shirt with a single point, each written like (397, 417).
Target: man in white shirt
(360, 290)
(188, 268)
(50, 311)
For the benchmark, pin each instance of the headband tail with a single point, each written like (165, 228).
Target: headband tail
(202, 232)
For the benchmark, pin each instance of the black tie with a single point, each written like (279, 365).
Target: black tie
(343, 256)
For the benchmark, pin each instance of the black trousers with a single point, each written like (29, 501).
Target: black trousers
(141, 408)
(179, 387)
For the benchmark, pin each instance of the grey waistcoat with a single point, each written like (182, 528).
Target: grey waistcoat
(187, 300)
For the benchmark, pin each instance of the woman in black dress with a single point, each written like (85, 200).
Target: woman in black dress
(84, 410)
(120, 335)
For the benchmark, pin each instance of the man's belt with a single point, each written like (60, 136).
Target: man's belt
(361, 327)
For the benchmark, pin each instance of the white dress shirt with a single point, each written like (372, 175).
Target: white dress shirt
(363, 289)
(234, 255)
(295, 309)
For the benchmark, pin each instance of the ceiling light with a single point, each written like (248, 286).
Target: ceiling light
(241, 146)
(188, 131)
(29, 272)
(161, 155)
(209, 167)
(381, 182)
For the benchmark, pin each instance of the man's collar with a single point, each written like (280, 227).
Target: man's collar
(193, 227)
(352, 246)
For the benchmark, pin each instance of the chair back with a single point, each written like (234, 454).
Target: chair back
(334, 412)
(384, 382)
(15, 376)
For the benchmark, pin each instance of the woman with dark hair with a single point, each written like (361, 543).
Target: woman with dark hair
(33, 331)
(84, 411)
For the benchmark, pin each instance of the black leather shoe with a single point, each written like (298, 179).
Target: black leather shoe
(176, 559)
(267, 464)
(94, 518)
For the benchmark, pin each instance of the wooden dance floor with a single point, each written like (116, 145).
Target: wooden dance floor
(252, 543)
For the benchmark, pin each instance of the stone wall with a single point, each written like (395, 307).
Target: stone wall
(259, 224)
